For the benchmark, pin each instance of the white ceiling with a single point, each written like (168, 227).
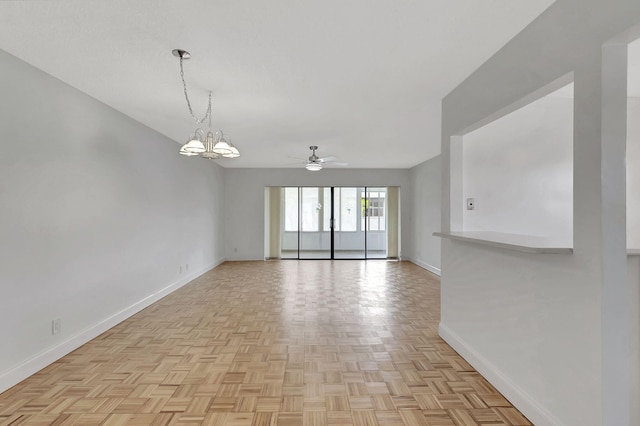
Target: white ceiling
(362, 79)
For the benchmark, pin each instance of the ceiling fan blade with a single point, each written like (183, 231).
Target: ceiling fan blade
(333, 163)
(325, 159)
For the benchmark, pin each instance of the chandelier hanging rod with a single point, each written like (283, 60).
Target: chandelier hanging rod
(183, 55)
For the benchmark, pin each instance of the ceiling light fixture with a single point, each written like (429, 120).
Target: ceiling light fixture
(315, 163)
(207, 145)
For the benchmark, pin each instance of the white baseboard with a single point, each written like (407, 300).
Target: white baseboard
(424, 265)
(243, 259)
(534, 411)
(36, 363)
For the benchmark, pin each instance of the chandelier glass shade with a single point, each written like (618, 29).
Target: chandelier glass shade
(222, 147)
(234, 152)
(194, 145)
(186, 153)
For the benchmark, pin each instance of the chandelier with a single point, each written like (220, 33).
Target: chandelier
(207, 145)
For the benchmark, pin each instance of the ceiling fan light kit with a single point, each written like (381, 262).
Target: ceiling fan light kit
(207, 146)
(313, 167)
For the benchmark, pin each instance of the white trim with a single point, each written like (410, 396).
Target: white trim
(36, 363)
(424, 265)
(531, 408)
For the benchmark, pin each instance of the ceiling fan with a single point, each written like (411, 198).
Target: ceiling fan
(315, 163)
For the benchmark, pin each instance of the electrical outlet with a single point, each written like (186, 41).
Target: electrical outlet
(471, 204)
(181, 269)
(56, 326)
(187, 266)
(235, 250)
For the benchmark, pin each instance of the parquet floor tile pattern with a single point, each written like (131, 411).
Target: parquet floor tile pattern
(271, 343)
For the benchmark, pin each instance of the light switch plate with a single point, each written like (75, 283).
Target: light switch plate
(471, 204)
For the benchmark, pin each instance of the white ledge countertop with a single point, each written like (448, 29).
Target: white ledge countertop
(516, 242)
(633, 252)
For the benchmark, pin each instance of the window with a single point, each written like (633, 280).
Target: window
(348, 214)
(291, 209)
(326, 224)
(373, 208)
(313, 206)
(311, 209)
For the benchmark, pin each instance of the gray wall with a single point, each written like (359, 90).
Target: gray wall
(244, 201)
(425, 215)
(99, 216)
(532, 324)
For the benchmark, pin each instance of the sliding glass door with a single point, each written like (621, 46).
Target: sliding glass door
(374, 221)
(315, 223)
(290, 212)
(349, 234)
(334, 223)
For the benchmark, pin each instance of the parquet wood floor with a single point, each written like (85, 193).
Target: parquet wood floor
(271, 343)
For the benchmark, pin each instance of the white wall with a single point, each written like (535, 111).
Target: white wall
(97, 215)
(425, 214)
(633, 279)
(244, 201)
(519, 171)
(550, 331)
(633, 241)
(633, 173)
